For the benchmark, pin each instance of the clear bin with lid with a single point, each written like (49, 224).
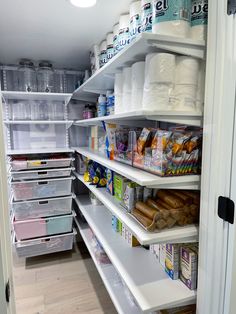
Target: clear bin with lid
(27, 76)
(45, 77)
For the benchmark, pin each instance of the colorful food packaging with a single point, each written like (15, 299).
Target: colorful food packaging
(172, 261)
(189, 266)
(120, 184)
(110, 181)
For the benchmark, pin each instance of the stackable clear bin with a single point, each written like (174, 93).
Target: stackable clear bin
(17, 165)
(46, 245)
(42, 208)
(33, 228)
(37, 136)
(39, 174)
(27, 190)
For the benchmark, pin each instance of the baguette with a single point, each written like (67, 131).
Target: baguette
(163, 204)
(170, 199)
(161, 224)
(146, 210)
(145, 222)
(185, 198)
(194, 195)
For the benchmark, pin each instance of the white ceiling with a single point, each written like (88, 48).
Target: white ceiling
(54, 30)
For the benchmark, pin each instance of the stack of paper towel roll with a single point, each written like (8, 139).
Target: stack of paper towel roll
(118, 92)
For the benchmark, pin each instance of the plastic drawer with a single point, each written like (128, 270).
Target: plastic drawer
(39, 174)
(42, 208)
(45, 245)
(31, 136)
(33, 228)
(27, 190)
(17, 165)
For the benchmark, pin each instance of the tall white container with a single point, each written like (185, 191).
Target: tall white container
(124, 35)
(135, 19)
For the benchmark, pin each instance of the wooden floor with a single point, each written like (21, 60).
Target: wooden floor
(63, 283)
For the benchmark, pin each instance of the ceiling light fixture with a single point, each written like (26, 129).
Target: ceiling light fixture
(83, 3)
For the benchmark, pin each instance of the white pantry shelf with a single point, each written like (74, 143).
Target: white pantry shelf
(181, 117)
(68, 122)
(151, 287)
(174, 235)
(109, 276)
(143, 178)
(39, 151)
(145, 43)
(14, 95)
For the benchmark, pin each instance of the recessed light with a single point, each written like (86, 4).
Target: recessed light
(83, 3)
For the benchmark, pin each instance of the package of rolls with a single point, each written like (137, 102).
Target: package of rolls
(168, 209)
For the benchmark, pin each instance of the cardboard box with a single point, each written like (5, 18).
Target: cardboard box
(157, 251)
(110, 181)
(189, 266)
(172, 261)
(162, 256)
(120, 184)
(114, 222)
(132, 241)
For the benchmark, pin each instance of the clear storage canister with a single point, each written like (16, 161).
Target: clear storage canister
(45, 77)
(60, 81)
(27, 76)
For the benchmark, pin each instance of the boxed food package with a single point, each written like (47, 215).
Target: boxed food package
(110, 181)
(172, 261)
(157, 251)
(189, 309)
(120, 184)
(114, 222)
(189, 266)
(129, 197)
(162, 256)
(80, 163)
(119, 226)
(123, 146)
(131, 240)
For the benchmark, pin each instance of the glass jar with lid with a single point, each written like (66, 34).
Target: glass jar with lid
(45, 77)
(27, 76)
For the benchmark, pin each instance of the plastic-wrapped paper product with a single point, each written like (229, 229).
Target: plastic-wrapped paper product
(116, 39)
(146, 16)
(118, 90)
(135, 19)
(124, 35)
(110, 50)
(199, 19)
(187, 70)
(127, 89)
(103, 53)
(94, 58)
(138, 72)
(172, 17)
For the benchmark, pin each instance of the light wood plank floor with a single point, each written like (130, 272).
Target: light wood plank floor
(63, 283)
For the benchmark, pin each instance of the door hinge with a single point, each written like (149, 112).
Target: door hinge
(7, 292)
(226, 209)
(231, 7)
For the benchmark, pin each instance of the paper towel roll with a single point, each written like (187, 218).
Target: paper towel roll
(172, 18)
(146, 15)
(201, 88)
(118, 104)
(118, 85)
(103, 53)
(138, 73)
(185, 97)
(116, 38)
(94, 58)
(157, 96)
(124, 35)
(199, 19)
(187, 70)
(135, 19)
(110, 50)
(127, 80)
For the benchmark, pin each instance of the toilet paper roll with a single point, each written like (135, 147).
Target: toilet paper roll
(146, 16)
(127, 80)
(110, 50)
(126, 102)
(118, 84)
(187, 70)
(124, 35)
(116, 38)
(160, 68)
(136, 100)
(172, 18)
(103, 53)
(135, 19)
(185, 98)
(118, 104)
(157, 96)
(201, 88)
(199, 19)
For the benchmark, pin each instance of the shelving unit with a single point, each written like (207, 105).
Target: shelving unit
(109, 276)
(67, 122)
(13, 95)
(143, 178)
(150, 286)
(39, 151)
(175, 235)
(145, 43)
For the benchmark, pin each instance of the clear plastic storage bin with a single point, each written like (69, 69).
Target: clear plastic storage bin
(27, 190)
(34, 228)
(38, 136)
(39, 174)
(46, 245)
(24, 163)
(42, 208)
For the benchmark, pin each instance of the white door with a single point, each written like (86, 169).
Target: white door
(6, 270)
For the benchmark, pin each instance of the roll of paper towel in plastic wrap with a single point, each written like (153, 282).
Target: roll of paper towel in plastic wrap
(172, 17)
(94, 58)
(103, 53)
(127, 89)
(118, 90)
(138, 73)
(135, 19)
(199, 19)
(146, 15)
(110, 50)
(159, 81)
(116, 38)
(201, 88)
(187, 70)
(124, 35)
(184, 98)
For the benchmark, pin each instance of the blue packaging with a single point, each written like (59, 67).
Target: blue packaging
(110, 181)
(146, 16)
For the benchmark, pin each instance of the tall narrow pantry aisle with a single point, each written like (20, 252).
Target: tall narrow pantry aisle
(63, 283)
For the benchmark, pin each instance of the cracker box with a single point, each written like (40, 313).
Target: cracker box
(162, 255)
(132, 241)
(172, 261)
(189, 266)
(110, 181)
(114, 222)
(120, 184)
